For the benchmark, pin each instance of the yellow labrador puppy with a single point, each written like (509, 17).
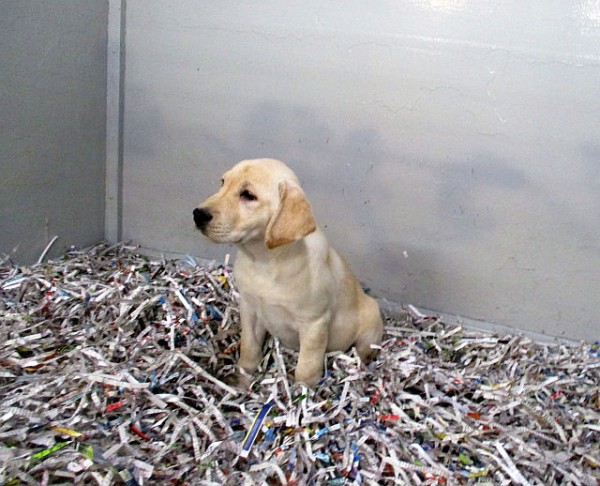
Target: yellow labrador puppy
(292, 284)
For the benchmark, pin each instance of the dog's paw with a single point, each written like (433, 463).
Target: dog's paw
(308, 380)
(240, 380)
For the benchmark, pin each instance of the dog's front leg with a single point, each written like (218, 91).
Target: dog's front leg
(251, 340)
(313, 344)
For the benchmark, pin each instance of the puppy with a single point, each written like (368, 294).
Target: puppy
(292, 284)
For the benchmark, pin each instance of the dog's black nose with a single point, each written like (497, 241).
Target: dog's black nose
(201, 217)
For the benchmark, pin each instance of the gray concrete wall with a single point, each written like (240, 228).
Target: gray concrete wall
(52, 124)
(451, 148)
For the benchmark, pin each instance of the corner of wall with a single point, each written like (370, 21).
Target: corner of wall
(115, 79)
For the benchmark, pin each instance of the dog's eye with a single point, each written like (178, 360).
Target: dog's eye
(222, 182)
(247, 195)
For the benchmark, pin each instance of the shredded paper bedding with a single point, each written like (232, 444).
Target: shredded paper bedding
(115, 368)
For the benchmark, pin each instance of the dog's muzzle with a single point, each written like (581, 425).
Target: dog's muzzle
(202, 217)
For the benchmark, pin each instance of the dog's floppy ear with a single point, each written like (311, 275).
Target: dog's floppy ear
(293, 218)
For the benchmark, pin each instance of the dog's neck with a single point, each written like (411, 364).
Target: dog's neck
(256, 250)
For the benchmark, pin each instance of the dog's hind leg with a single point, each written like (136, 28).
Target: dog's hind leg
(371, 329)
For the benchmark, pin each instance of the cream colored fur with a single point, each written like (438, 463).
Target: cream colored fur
(292, 284)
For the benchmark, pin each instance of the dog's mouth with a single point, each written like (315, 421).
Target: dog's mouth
(212, 229)
(219, 231)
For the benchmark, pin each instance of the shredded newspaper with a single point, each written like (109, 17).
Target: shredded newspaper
(115, 368)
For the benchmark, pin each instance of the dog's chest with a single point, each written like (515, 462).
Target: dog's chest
(277, 299)
(276, 318)
(276, 304)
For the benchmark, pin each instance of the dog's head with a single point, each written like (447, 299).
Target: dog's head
(259, 200)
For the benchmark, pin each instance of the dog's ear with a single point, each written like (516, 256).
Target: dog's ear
(293, 218)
